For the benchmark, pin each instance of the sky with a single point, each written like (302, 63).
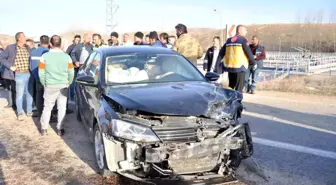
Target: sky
(37, 17)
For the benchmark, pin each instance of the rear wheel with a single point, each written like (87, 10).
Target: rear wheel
(100, 153)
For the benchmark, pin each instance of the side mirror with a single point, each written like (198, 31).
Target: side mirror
(86, 80)
(211, 76)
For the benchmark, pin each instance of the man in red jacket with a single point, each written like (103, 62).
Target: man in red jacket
(252, 73)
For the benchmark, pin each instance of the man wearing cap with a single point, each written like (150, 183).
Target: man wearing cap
(114, 39)
(187, 45)
(138, 36)
(154, 40)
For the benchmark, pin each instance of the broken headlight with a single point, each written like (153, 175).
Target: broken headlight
(130, 131)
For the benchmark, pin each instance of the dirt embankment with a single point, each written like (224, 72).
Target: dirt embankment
(317, 84)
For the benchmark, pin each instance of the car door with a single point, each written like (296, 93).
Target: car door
(92, 93)
(81, 90)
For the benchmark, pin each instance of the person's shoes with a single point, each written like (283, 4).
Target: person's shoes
(60, 132)
(33, 114)
(44, 132)
(69, 111)
(8, 106)
(253, 92)
(20, 117)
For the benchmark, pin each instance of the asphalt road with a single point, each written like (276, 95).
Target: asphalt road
(294, 140)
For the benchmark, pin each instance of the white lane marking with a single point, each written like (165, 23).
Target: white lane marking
(272, 118)
(297, 148)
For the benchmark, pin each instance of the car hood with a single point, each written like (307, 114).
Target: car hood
(189, 99)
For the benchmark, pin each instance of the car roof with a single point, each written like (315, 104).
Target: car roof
(121, 50)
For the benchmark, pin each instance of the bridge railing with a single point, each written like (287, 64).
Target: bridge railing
(282, 64)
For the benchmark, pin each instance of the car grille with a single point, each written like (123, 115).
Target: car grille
(194, 164)
(177, 134)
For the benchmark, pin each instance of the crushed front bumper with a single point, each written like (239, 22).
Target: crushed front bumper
(205, 155)
(220, 155)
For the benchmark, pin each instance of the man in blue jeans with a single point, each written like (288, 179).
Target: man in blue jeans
(252, 72)
(15, 58)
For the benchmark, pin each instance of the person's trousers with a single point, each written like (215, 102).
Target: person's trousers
(251, 78)
(72, 86)
(236, 81)
(39, 101)
(10, 88)
(51, 95)
(22, 81)
(32, 88)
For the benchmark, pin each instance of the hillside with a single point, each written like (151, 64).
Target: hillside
(315, 37)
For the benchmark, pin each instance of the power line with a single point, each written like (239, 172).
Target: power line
(111, 10)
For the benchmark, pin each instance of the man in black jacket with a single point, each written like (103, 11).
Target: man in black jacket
(252, 72)
(138, 38)
(79, 55)
(77, 40)
(211, 55)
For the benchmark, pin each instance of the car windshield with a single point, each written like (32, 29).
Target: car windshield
(150, 68)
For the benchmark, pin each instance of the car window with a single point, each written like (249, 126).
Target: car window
(145, 68)
(92, 68)
(89, 61)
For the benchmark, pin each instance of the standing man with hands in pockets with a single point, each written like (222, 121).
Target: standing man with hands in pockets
(56, 72)
(79, 55)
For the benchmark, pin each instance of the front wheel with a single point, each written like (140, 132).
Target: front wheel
(100, 154)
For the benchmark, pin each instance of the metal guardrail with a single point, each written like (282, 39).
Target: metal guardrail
(282, 64)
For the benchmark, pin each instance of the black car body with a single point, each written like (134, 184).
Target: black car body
(159, 129)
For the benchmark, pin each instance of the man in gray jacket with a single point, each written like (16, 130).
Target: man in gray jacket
(78, 56)
(15, 58)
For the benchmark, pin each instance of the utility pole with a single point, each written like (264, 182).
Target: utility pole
(111, 10)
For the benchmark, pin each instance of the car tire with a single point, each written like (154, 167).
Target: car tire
(78, 115)
(100, 156)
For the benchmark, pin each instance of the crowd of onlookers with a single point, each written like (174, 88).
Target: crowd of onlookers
(46, 74)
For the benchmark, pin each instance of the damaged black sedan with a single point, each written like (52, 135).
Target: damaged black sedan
(151, 113)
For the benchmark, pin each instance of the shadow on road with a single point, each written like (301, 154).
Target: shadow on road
(3, 156)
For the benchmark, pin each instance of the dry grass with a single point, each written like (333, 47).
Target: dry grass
(322, 85)
(28, 158)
